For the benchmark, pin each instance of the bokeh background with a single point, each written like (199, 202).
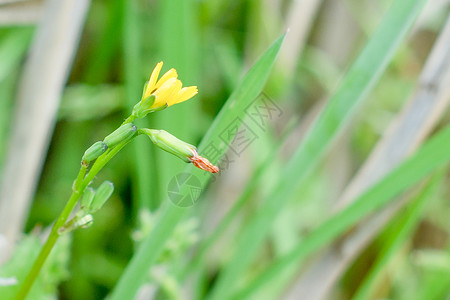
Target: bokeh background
(71, 70)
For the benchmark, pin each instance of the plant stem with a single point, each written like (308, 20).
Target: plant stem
(79, 186)
(130, 119)
(53, 237)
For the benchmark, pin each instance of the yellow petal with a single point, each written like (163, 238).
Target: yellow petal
(185, 93)
(171, 99)
(152, 81)
(172, 73)
(165, 91)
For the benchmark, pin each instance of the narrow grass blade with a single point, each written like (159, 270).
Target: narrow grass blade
(434, 285)
(399, 231)
(152, 246)
(357, 83)
(141, 162)
(102, 57)
(434, 154)
(228, 58)
(13, 46)
(178, 20)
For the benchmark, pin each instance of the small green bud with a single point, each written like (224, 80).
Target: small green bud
(171, 144)
(94, 151)
(77, 222)
(102, 194)
(86, 200)
(85, 221)
(119, 135)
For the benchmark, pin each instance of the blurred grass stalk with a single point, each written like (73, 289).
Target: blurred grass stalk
(179, 48)
(299, 22)
(141, 160)
(399, 231)
(38, 98)
(14, 45)
(418, 118)
(431, 156)
(337, 113)
(151, 247)
(21, 12)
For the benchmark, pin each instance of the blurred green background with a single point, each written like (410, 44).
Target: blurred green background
(212, 44)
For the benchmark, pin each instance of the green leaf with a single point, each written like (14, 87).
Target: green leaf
(140, 158)
(395, 235)
(54, 271)
(434, 154)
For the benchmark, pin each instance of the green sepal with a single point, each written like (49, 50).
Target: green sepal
(170, 143)
(157, 108)
(102, 194)
(145, 89)
(143, 107)
(87, 198)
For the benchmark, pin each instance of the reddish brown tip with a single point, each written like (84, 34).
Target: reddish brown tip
(204, 164)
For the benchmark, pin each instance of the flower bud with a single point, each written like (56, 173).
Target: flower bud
(171, 144)
(102, 194)
(94, 151)
(119, 135)
(183, 150)
(84, 222)
(87, 198)
(77, 222)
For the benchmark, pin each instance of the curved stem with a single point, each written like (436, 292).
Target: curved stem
(79, 186)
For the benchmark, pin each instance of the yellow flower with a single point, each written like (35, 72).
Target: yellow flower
(162, 93)
(168, 89)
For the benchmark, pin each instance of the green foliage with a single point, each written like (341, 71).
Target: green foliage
(184, 236)
(431, 156)
(396, 233)
(54, 271)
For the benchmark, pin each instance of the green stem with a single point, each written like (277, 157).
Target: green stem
(130, 119)
(79, 186)
(53, 237)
